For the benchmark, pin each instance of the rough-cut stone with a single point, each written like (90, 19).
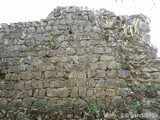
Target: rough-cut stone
(49, 74)
(70, 51)
(27, 101)
(52, 92)
(71, 82)
(82, 75)
(25, 93)
(57, 83)
(114, 65)
(74, 92)
(91, 73)
(96, 29)
(64, 44)
(99, 92)
(3, 102)
(37, 75)
(92, 83)
(100, 83)
(82, 91)
(110, 115)
(15, 77)
(82, 82)
(28, 85)
(121, 83)
(63, 92)
(123, 92)
(80, 51)
(90, 93)
(73, 75)
(101, 73)
(112, 74)
(111, 83)
(99, 50)
(110, 92)
(124, 73)
(26, 75)
(19, 85)
(52, 102)
(106, 57)
(39, 93)
(103, 65)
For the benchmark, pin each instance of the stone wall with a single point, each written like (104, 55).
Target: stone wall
(76, 56)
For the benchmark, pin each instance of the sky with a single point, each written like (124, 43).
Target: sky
(34, 10)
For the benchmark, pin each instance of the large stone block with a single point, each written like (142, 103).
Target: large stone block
(27, 75)
(25, 94)
(82, 82)
(51, 92)
(70, 51)
(39, 93)
(94, 66)
(74, 92)
(121, 83)
(99, 50)
(80, 51)
(27, 85)
(9, 85)
(112, 74)
(15, 76)
(99, 92)
(63, 92)
(124, 73)
(103, 65)
(101, 73)
(71, 82)
(123, 92)
(64, 44)
(107, 58)
(82, 75)
(49, 74)
(3, 102)
(19, 85)
(37, 75)
(100, 83)
(36, 84)
(91, 73)
(90, 93)
(52, 102)
(72, 75)
(114, 65)
(82, 92)
(83, 59)
(27, 101)
(110, 92)
(111, 83)
(57, 83)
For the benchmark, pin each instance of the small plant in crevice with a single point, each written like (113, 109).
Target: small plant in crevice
(94, 107)
(36, 105)
(154, 105)
(119, 106)
(132, 29)
(157, 88)
(22, 116)
(136, 105)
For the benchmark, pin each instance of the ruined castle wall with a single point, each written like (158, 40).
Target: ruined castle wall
(76, 56)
